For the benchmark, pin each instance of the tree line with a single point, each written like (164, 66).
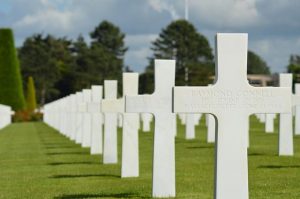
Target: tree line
(60, 66)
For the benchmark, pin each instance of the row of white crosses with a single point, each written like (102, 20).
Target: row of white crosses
(81, 117)
(5, 115)
(230, 100)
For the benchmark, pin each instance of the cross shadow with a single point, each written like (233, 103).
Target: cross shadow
(60, 147)
(102, 195)
(69, 153)
(199, 147)
(85, 176)
(256, 154)
(278, 166)
(70, 163)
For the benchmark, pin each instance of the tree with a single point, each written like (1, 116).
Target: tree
(294, 68)
(11, 89)
(110, 38)
(191, 50)
(107, 52)
(31, 99)
(256, 65)
(46, 59)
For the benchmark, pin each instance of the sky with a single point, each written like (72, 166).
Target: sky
(273, 25)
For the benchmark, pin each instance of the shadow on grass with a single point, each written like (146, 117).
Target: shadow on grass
(278, 166)
(61, 147)
(85, 176)
(199, 147)
(256, 154)
(102, 195)
(70, 163)
(69, 153)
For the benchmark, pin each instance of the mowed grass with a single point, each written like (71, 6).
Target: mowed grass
(38, 162)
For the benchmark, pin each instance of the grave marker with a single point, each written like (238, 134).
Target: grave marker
(130, 150)
(94, 107)
(297, 115)
(87, 119)
(231, 99)
(160, 105)
(110, 152)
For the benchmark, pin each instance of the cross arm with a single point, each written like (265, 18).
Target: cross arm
(295, 100)
(113, 105)
(138, 104)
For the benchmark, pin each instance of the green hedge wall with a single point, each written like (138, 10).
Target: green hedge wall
(11, 88)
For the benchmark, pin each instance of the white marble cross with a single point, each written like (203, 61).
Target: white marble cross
(231, 99)
(80, 109)
(160, 105)
(286, 146)
(211, 128)
(87, 119)
(297, 115)
(73, 115)
(269, 124)
(110, 146)
(94, 108)
(146, 120)
(190, 126)
(130, 148)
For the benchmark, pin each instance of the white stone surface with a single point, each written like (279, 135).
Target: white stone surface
(87, 119)
(120, 120)
(130, 150)
(73, 115)
(269, 125)
(80, 109)
(297, 114)
(96, 113)
(160, 105)
(146, 120)
(286, 146)
(231, 99)
(110, 145)
(211, 128)
(190, 126)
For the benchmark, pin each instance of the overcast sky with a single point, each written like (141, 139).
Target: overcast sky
(273, 25)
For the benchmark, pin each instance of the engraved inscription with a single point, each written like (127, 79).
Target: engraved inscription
(212, 99)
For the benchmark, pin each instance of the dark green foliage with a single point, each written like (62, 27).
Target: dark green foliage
(294, 68)
(46, 59)
(11, 89)
(60, 66)
(191, 50)
(31, 99)
(110, 38)
(256, 65)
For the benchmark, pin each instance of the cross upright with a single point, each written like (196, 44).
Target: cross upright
(130, 147)
(94, 108)
(110, 144)
(231, 99)
(80, 108)
(87, 119)
(160, 105)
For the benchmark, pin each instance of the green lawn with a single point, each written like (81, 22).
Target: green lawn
(38, 162)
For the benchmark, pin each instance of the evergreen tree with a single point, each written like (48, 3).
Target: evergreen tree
(294, 68)
(31, 99)
(47, 59)
(191, 50)
(256, 65)
(11, 89)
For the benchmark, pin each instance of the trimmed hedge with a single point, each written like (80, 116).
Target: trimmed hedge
(31, 99)
(11, 88)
